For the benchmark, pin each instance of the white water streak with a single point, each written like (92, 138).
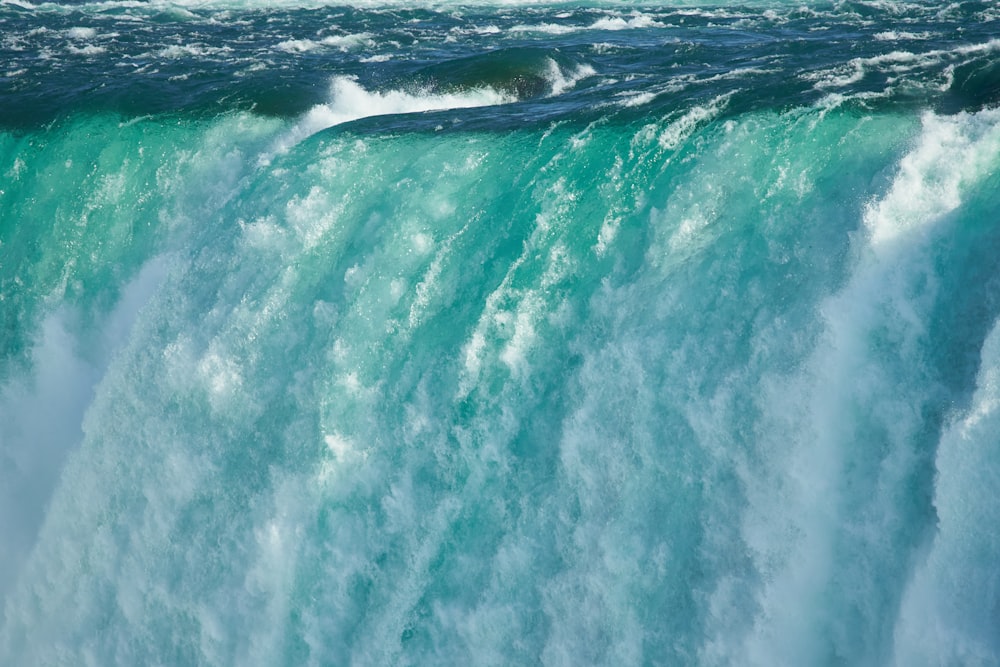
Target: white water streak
(847, 383)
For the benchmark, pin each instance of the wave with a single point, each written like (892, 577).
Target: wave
(522, 72)
(481, 81)
(350, 102)
(342, 42)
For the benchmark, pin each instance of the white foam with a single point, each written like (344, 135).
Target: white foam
(836, 496)
(191, 51)
(930, 181)
(984, 47)
(297, 46)
(679, 130)
(562, 80)
(134, 297)
(40, 417)
(342, 42)
(350, 101)
(636, 21)
(88, 50)
(546, 28)
(636, 99)
(509, 326)
(81, 33)
(612, 23)
(894, 61)
(897, 35)
(949, 611)
(349, 42)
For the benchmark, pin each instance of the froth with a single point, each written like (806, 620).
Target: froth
(856, 414)
(679, 130)
(930, 182)
(81, 33)
(340, 42)
(350, 101)
(949, 612)
(562, 80)
(40, 417)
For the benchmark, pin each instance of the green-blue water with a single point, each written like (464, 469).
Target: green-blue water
(503, 334)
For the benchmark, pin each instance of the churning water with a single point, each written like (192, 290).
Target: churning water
(499, 334)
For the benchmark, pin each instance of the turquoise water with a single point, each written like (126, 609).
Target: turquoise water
(499, 334)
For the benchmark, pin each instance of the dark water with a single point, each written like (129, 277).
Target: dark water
(139, 58)
(499, 334)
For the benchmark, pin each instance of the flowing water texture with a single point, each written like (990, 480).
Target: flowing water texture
(499, 333)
